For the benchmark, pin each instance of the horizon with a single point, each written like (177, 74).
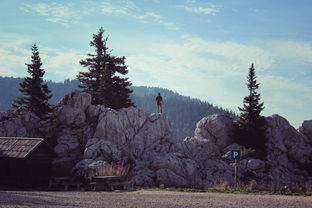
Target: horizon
(197, 48)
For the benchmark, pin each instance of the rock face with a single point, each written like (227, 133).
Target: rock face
(306, 129)
(214, 133)
(88, 137)
(289, 152)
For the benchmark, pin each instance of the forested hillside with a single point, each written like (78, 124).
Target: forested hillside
(183, 112)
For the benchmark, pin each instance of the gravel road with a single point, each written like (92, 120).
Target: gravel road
(146, 199)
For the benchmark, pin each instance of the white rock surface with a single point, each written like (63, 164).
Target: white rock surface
(306, 129)
(285, 143)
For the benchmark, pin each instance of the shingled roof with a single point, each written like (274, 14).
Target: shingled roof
(18, 147)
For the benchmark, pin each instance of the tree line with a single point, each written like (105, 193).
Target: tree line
(102, 80)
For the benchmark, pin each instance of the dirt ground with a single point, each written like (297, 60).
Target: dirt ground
(146, 199)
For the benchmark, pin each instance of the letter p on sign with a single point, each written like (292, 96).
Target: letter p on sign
(235, 154)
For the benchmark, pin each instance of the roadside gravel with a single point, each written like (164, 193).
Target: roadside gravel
(147, 199)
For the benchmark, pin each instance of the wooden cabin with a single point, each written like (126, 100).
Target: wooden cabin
(25, 162)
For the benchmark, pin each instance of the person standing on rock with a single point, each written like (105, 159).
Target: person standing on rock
(159, 102)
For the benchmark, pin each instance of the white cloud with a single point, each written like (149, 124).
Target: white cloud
(201, 10)
(221, 54)
(294, 51)
(60, 63)
(63, 62)
(129, 9)
(53, 12)
(117, 7)
(13, 57)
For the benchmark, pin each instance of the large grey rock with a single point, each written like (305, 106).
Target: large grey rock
(71, 116)
(133, 131)
(286, 144)
(213, 133)
(71, 109)
(216, 172)
(76, 99)
(68, 146)
(143, 178)
(306, 129)
(22, 123)
(252, 164)
(174, 169)
(97, 147)
(217, 128)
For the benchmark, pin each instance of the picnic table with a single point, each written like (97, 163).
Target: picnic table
(109, 183)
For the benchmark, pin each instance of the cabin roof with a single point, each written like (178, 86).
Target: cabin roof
(18, 147)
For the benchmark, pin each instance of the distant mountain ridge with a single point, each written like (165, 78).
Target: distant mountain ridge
(183, 112)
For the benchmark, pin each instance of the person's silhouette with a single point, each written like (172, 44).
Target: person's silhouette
(159, 102)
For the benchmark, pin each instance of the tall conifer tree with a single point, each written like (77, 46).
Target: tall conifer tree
(35, 94)
(251, 123)
(100, 81)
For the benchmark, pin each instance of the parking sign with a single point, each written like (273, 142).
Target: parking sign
(235, 154)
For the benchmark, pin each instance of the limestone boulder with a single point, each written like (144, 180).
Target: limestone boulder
(306, 129)
(252, 164)
(68, 146)
(20, 123)
(217, 171)
(174, 169)
(213, 133)
(100, 148)
(286, 144)
(132, 130)
(71, 116)
(143, 178)
(76, 99)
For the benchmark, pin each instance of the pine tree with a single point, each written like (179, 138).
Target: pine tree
(100, 81)
(35, 94)
(251, 131)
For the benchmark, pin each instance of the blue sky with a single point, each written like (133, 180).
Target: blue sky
(199, 48)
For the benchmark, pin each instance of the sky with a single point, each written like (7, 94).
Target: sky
(198, 48)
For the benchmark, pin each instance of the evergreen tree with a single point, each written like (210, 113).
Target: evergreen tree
(35, 94)
(100, 81)
(251, 132)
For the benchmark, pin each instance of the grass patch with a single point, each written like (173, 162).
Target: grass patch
(251, 188)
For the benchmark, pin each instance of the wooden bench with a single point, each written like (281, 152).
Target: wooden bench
(109, 183)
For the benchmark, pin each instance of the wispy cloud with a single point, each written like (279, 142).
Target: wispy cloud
(13, 57)
(156, 18)
(53, 12)
(69, 14)
(201, 10)
(56, 62)
(117, 7)
(62, 62)
(295, 51)
(129, 9)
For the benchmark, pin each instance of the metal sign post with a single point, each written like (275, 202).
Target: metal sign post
(235, 155)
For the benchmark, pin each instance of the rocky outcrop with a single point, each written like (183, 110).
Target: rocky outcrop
(89, 137)
(289, 152)
(306, 129)
(214, 133)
